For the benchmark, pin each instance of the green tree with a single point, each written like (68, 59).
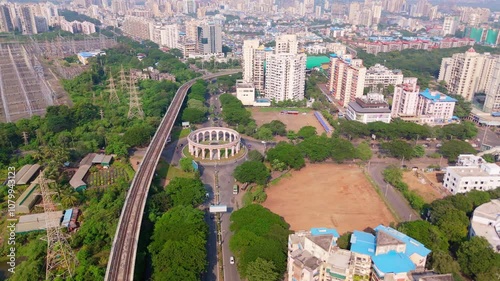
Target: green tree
(186, 164)
(291, 135)
(442, 262)
(426, 233)
(193, 115)
(476, 256)
(252, 172)
(418, 151)
(344, 241)
(306, 132)
(138, 135)
(277, 127)
(399, 149)
(262, 270)
(342, 150)
(452, 222)
(490, 158)
(462, 107)
(264, 133)
(254, 155)
(186, 191)
(363, 151)
(451, 149)
(317, 148)
(286, 153)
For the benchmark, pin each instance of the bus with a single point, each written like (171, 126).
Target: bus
(235, 189)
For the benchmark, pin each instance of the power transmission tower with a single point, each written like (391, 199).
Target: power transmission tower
(135, 108)
(123, 80)
(61, 261)
(113, 97)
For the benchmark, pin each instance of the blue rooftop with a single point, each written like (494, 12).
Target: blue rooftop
(392, 262)
(324, 231)
(363, 243)
(436, 96)
(67, 216)
(333, 55)
(412, 245)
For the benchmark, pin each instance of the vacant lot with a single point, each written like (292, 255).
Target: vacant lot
(328, 195)
(422, 185)
(293, 122)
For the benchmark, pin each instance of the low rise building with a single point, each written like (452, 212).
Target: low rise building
(387, 255)
(84, 57)
(485, 222)
(379, 75)
(245, 92)
(471, 173)
(369, 108)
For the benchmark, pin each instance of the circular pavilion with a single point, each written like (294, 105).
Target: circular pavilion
(214, 143)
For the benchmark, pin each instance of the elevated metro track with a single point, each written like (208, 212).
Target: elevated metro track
(121, 262)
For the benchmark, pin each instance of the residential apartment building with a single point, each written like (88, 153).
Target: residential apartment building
(286, 44)
(254, 56)
(78, 27)
(166, 35)
(485, 223)
(314, 255)
(468, 73)
(138, 27)
(471, 173)
(435, 107)
(383, 76)
(450, 25)
(492, 101)
(347, 79)
(369, 108)
(285, 76)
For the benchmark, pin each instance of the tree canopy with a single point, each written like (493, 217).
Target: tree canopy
(186, 191)
(252, 172)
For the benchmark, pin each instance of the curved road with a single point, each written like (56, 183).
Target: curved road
(124, 249)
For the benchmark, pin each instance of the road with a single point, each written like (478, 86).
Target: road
(121, 262)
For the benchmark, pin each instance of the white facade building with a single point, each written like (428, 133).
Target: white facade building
(285, 76)
(369, 108)
(450, 25)
(471, 173)
(485, 222)
(381, 75)
(405, 98)
(245, 92)
(166, 36)
(286, 44)
(492, 102)
(347, 79)
(249, 47)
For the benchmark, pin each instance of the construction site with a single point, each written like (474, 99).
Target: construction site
(28, 85)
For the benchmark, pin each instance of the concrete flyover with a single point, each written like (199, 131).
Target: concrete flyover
(121, 263)
(211, 141)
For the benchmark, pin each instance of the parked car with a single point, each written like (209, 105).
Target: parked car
(231, 260)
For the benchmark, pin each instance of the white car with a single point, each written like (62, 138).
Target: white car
(231, 260)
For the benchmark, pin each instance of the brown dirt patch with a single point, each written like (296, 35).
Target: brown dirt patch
(292, 122)
(328, 195)
(426, 185)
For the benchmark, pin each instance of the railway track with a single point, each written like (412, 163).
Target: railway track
(121, 262)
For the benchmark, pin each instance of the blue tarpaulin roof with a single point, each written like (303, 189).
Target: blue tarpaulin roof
(324, 231)
(67, 217)
(393, 262)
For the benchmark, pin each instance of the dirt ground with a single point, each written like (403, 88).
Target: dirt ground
(136, 157)
(292, 122)
(328, 195)
(429, 187)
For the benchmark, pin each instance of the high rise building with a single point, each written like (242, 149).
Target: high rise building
(285, 76)
(189, 7)
(138, 27)
(6, 23)
(354, 13)
(167, 36)
(492, 102)
(467, 73)
(347, 79)
(379, 75)
(249, 47)
(405, 98)
(210, 38)
(286, 44)
(28, 23)
(450, 25)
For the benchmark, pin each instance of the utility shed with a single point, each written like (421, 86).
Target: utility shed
(77, 180)
(28, 199)
(37, 222)
(27, 174)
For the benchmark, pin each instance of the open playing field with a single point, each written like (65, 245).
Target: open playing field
(422, 185)
(328, 195)
(293, 122)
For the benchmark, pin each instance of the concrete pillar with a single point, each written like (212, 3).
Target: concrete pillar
(218, 132)
(203, 152)
(218, 153)
(224, 135)
(211, 154)
(226, 152)
(232, 151)
(237, 148)
(196, 152)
